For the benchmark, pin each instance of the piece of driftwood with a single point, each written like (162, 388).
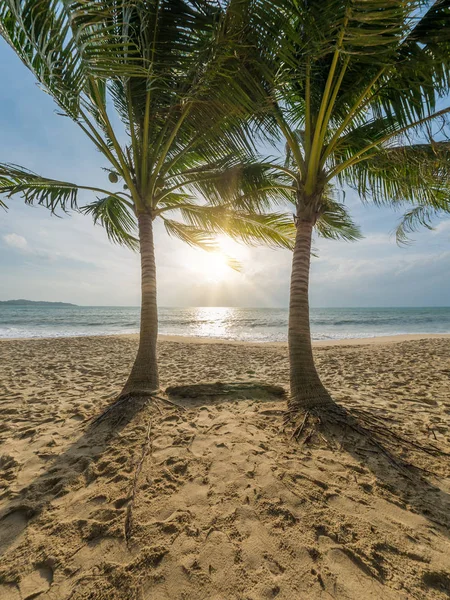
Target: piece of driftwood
(235, 388)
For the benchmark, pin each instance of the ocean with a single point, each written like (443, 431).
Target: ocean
(245, 324)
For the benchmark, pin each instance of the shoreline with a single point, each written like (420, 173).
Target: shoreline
(375, 340)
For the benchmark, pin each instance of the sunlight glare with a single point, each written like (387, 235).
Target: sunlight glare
(212, 266)
(216, 266)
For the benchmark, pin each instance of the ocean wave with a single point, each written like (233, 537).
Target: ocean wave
(375, 321)
(257, 325)
(252, 323)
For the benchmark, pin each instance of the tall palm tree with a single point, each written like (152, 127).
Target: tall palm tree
(174, 75)
(358, 89)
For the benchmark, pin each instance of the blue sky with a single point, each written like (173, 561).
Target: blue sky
(46, 258)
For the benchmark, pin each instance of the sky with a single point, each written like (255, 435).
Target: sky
(68, 259)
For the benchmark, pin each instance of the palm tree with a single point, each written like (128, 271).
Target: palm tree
(355, 88)
(172, 74)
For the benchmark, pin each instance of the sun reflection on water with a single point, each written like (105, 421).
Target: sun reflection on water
(214, 321)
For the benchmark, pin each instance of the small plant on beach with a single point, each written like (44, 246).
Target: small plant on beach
(159, 87)
(359, 91)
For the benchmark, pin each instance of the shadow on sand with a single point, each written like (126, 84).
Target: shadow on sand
(416, 491)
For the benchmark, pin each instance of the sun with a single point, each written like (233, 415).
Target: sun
(213, 266)
(222, 264)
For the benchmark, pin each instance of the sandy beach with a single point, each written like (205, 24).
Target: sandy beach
(223, 505)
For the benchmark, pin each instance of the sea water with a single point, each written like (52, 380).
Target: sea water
(245, 324)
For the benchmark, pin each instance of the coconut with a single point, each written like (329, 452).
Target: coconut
(113, 177)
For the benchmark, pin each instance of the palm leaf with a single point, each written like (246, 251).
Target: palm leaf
(335, 223)
(417, 217)
(275, 230)
(51, 193)
(117, 219)
(191, 235)
(34, 188)
(416, 173)
(198, 238)
(245, 185)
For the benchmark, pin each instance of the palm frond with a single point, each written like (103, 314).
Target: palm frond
(335, 223)
(35, 189)
(416, 173)
(51, 193)
(421, 70)
(117, 219)
(200, 239)
(65, 44)
(417, 217)
(275, 230)
(191, 235)
(39, 33)
(245, 185)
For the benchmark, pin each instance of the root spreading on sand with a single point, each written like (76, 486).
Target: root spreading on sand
(132, 402)
(331, 424)
(146, 449)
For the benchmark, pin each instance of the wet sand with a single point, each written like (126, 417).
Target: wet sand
(223, 505)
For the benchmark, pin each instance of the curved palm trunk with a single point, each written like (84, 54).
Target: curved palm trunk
(144, 374)
(307, 391)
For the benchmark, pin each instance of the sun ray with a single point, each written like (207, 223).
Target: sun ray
(212, 266)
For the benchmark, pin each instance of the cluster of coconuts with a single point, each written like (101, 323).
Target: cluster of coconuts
(114, 178)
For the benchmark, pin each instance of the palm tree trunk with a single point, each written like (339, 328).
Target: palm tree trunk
(144, 374)
(307, 391)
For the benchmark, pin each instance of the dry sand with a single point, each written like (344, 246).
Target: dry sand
(225, 506)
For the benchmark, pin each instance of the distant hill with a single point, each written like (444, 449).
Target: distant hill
(22, 302)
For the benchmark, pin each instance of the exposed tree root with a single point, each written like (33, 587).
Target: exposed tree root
(167, 401)
(132, 402)
(331, 423)
(120, 404)
(146, 448)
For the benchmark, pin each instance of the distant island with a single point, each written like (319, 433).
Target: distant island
(22, 302)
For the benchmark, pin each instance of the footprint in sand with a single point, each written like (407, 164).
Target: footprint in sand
(437, 580)
(35, 583)
(9, 592)
(350, 577)
(13, 526)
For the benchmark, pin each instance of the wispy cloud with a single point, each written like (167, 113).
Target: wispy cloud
(442, 228)
(15, 241)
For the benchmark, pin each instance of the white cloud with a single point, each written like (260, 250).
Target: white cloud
(15, 241)
(442, 227)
